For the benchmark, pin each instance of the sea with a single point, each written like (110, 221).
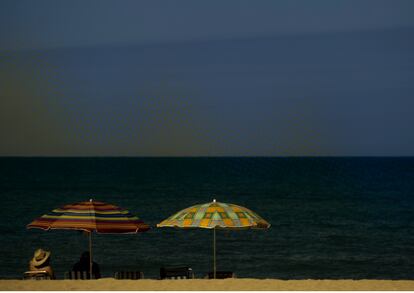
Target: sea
(331, 217)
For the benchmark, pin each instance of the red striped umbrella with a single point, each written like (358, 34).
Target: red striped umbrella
(91, 216)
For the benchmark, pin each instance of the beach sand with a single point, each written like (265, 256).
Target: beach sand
(203, 285)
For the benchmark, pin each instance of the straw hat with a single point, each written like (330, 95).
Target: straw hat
(40, 257)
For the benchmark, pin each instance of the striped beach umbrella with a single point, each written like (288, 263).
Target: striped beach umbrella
(91, 216)
(215, 215)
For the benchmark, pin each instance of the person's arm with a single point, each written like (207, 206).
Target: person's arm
(49, 270)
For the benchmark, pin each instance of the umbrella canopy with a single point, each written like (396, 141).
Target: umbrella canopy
(215, 215)
(91, 216)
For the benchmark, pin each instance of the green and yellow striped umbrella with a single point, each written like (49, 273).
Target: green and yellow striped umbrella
(215, 215)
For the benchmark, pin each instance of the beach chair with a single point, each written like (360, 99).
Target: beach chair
(221, 275)
(129, 275)
(36, 275)
(176, 273)
(78, 275)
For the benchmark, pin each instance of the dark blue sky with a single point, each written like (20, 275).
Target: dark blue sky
(188, 78)
(43, 24)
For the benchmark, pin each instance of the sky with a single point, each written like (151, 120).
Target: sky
(206, 78)
(48, 23)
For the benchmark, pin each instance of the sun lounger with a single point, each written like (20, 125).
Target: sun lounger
(134, 275)
(221, 275)
(78, 275)
(176, 273)
(36, 275)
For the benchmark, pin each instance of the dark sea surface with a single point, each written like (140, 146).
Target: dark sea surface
(332, 218)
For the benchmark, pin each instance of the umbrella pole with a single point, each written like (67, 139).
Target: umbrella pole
(90, 254)
(214, 252)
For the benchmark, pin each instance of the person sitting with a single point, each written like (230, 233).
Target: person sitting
(83, 265)
(41, 263)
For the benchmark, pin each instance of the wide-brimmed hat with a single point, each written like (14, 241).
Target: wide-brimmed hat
(40, 257)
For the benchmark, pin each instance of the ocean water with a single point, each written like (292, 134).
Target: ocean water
(332, 218)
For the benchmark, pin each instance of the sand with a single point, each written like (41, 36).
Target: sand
(202, 285)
